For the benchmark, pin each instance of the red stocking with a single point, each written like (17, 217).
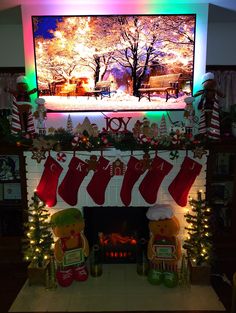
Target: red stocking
(47, 187)
(98, 183)
(151, 183)
(180, 186)
(68, 189)
(134, 170)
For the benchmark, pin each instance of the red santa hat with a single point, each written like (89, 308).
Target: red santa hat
(160, 212)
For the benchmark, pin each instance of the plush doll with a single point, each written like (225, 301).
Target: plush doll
(209, 106)
(137, 129)
(71, 247)
(145, 129)
(154, 130)
(40, 115)
(22, 104)
(164, 249)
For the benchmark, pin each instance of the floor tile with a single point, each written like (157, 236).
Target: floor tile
(120, 288)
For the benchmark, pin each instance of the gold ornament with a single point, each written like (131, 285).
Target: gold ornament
(38, 155)
(198, 152)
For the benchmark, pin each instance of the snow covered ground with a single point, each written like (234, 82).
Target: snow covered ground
(119, 101)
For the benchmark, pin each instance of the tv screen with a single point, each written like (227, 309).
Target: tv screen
(115, 62)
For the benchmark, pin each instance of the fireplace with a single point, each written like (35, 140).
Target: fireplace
(118, 230)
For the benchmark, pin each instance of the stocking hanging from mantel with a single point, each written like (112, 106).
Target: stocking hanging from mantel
(135, 169)
(180, 186)
(47, 187)
(68, 189)
(99, 181)
(151, 182)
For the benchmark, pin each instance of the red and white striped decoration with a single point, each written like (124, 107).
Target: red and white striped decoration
(16, 126)
(163, 127)
(15, 119)
(30, 124)
(202, 124)
(214, 131)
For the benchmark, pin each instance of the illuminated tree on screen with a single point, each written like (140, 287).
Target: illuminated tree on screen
(127, 45)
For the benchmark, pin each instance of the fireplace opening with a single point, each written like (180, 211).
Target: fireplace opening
(118, 231)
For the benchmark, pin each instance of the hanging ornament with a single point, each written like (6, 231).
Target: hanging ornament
(75, 141)
(38, 155)
(81, 141)
(174, 155)
(146, 161)
(143, 139)
(154, 143)
(104, 140)
(198, 152)
(118, 168)
(92, 163)
(176, 139)
(61, 157)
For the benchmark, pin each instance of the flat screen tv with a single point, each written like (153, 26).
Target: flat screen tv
(115, 62)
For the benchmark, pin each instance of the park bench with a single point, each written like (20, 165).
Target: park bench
(168, 84)
(102, 89)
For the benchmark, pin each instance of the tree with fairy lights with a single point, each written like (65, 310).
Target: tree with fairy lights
(199, 242)
(38, 236)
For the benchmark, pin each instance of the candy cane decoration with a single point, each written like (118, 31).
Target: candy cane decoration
(75, 141)
(61, 157)
(175, 140)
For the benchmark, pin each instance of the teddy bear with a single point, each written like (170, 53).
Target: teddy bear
(71, 248)
(164, 249)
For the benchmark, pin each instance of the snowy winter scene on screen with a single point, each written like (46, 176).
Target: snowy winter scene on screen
(115, 62)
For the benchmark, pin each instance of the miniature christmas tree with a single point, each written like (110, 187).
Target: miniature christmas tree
(39, 240)
(163, 127)
(69, 125)
(199, 243)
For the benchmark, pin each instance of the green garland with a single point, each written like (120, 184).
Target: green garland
(123, 140)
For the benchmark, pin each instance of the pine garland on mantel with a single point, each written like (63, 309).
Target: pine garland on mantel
(63, 139)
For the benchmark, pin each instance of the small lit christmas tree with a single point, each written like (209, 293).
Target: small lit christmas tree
(163, 127)
(199, 241)
(69, 125)
(38, 242)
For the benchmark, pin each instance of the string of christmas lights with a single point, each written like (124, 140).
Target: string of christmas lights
(199, 241)
(38, 241)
